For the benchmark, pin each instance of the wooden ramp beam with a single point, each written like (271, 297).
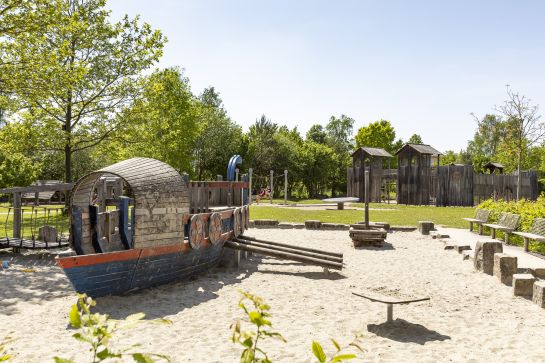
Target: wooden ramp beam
(293, 249)
(335, 254)
(285, 255)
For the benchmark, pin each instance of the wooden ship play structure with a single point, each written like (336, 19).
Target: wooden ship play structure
(421, 180)
(139, 223)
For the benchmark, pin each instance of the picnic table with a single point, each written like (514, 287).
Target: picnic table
(340, 201)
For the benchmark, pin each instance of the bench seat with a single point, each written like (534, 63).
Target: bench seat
(537, 232)
(481, 216)
(507, 223)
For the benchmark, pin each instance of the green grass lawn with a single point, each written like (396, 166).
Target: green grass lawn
(396, 215)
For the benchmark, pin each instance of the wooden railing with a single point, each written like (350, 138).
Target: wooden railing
(204, 195)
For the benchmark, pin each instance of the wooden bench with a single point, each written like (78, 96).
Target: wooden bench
(507, 223)
(390, 302)
(537, 232)
(481, 217)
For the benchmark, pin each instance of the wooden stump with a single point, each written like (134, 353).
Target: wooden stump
(47, 234)
(538, 296)
(424, 227)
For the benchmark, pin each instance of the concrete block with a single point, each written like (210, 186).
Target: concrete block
(538, 296)
(47, 234)
(523, 284)
(438, 235)
(265, 223)
(424, 227)
(462, 248)
(285, 225)
(467, 255)
(450, 246)
(505, 266)
(484, 255)
(335, 226)
(313, 224)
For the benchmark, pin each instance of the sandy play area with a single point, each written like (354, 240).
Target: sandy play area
(471, 317)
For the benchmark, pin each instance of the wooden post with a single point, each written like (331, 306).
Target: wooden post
(272, 186)
(366, 198)
(16, 215)
(250, 186)
(286, 187)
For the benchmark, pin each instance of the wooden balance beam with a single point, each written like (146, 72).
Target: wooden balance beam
(390, 304)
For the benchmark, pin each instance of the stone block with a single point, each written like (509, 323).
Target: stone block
(462, 248)
(505, 266)
(424, 227)
(335, 226)
(285, 225)
(265, 223)
(47, 234)
(298, 225)
(467, 255)
(450, 246)
(313, 224)
(523, 284)
(484, 255)
(538, 296)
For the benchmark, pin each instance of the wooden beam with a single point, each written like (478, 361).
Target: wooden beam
(38, 188)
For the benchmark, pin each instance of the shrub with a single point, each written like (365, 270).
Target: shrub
(97, 330)
(527, 209)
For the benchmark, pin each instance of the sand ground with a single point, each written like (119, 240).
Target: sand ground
(471, 317)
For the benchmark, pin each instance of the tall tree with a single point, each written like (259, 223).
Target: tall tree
(317, 134)
(339, 132)
(378, 134)
(525, 128)
(89, 70)
(218, 138)
(261, 145)
(415, 139)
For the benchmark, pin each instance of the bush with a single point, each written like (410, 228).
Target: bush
(527, 209)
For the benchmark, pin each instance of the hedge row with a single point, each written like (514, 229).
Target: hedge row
(527, 209)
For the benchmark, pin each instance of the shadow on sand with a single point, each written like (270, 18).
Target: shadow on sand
(386, 246)
(403, 331)
(32, 278)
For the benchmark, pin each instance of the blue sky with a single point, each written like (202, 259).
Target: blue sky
(422, 65)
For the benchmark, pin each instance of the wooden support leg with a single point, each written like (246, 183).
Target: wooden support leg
(492, 233)
(340, 206)
(526, 243)
(470, 226)
(389, 313)
(506, 237)
(480, 229)
(237, 258)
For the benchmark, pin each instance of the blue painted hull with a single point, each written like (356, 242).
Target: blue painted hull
(115, 273)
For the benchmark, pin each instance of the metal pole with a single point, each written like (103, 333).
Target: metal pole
(272, 186)
(250, 186)
(366, 199)
(16, 215)
(285, 187)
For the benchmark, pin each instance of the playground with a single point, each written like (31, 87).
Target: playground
(306, 305)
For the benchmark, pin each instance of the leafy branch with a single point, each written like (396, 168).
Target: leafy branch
(97, 330)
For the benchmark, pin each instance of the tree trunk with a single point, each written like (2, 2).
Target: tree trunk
(67, 127)
(518, 173)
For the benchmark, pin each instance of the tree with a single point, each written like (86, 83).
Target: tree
(378, 134)
(218, 138)
(162, 124)
(415, 139)
(339, 138)
(318, 162)
(523, 125)
(317, 134)
(84, 71)
(261, 145)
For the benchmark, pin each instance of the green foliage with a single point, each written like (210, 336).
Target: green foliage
(257, 313)
(378, 134)
(415, 139)
(16, 170)
(83, 71)
(97, 330)
(4, 356)
(317, 134)
(527, 209)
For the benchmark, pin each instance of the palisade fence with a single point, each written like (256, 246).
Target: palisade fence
(458, 185)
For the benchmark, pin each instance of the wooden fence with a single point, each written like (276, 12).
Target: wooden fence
(454, 186)
(203, 195)
(504, 186)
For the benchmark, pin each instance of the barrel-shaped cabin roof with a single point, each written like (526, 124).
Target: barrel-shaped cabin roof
(422, 149)
(143, 175)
